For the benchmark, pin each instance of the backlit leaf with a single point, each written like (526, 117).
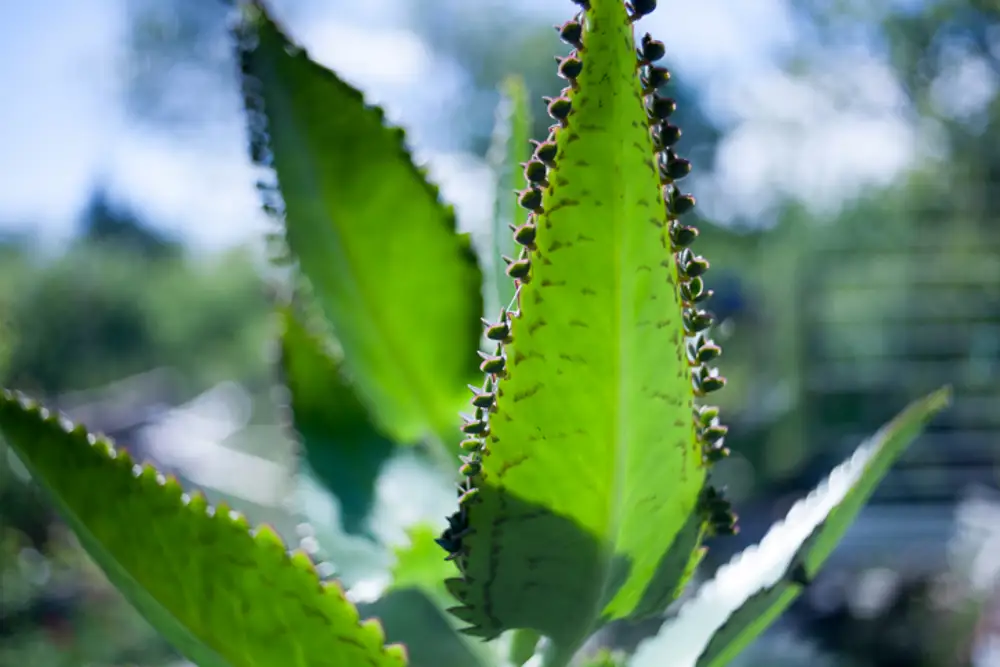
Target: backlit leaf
(750, 592)
(225, 596)
(508, 153)
(342, 448)
(592, 471)
(399, 285)
(412, 619)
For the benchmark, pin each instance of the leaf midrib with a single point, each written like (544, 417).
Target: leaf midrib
(621, 185)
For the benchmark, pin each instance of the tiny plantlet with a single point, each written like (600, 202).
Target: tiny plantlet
(575, 411)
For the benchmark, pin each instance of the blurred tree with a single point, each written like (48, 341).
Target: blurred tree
(946, 55)
(105, 224)
(181, 46)
(124, 300)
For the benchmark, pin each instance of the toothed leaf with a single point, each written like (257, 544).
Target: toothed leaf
(223, 596)
(589, 490)
(341, 448)
(411, 619)
(419, 567)
(750, 592)
(510, 149)
(399, 285)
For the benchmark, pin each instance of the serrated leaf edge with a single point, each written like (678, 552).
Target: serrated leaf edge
(263, 536)
(301, 307)
(244, 34)
(502, 151)
(700, 350)
(685, 637)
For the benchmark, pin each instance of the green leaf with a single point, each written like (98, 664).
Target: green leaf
(510, 149)
(419, 565)
(411, 619)
(341, 447)
(752, 590)
(592, 469)
(224, 595)
(605, 658)
(523, 646)
(399, 285)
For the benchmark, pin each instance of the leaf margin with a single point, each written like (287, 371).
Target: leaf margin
(861, 472)
(397, 408)
(23, 414)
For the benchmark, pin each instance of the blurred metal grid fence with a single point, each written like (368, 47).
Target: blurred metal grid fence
(883, 322)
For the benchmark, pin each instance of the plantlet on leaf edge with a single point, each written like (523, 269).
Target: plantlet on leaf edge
(713, 510)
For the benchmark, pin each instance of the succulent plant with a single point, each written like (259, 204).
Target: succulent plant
(584, 490)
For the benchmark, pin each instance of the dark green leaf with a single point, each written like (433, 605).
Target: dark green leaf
(399, 285)
(341, 447)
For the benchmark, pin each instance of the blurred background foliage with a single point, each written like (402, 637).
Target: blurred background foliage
(834, 315)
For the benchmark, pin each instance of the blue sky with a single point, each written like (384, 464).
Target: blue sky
(64, 128)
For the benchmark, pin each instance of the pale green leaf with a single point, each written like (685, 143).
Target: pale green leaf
(523, 646)
(419, 567)
(605, 658)
(750, 592)
(592, 469)
(510, 149)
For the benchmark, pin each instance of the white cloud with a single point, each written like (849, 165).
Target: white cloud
(394, 68)
(467, 183)
(68, 131)
(367, 56)
(59, 78)
(819, 140)
(203, 190)
(965, 87)
(721, 39)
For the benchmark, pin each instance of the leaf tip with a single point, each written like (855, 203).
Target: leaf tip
(397, 653)
(267, 537)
